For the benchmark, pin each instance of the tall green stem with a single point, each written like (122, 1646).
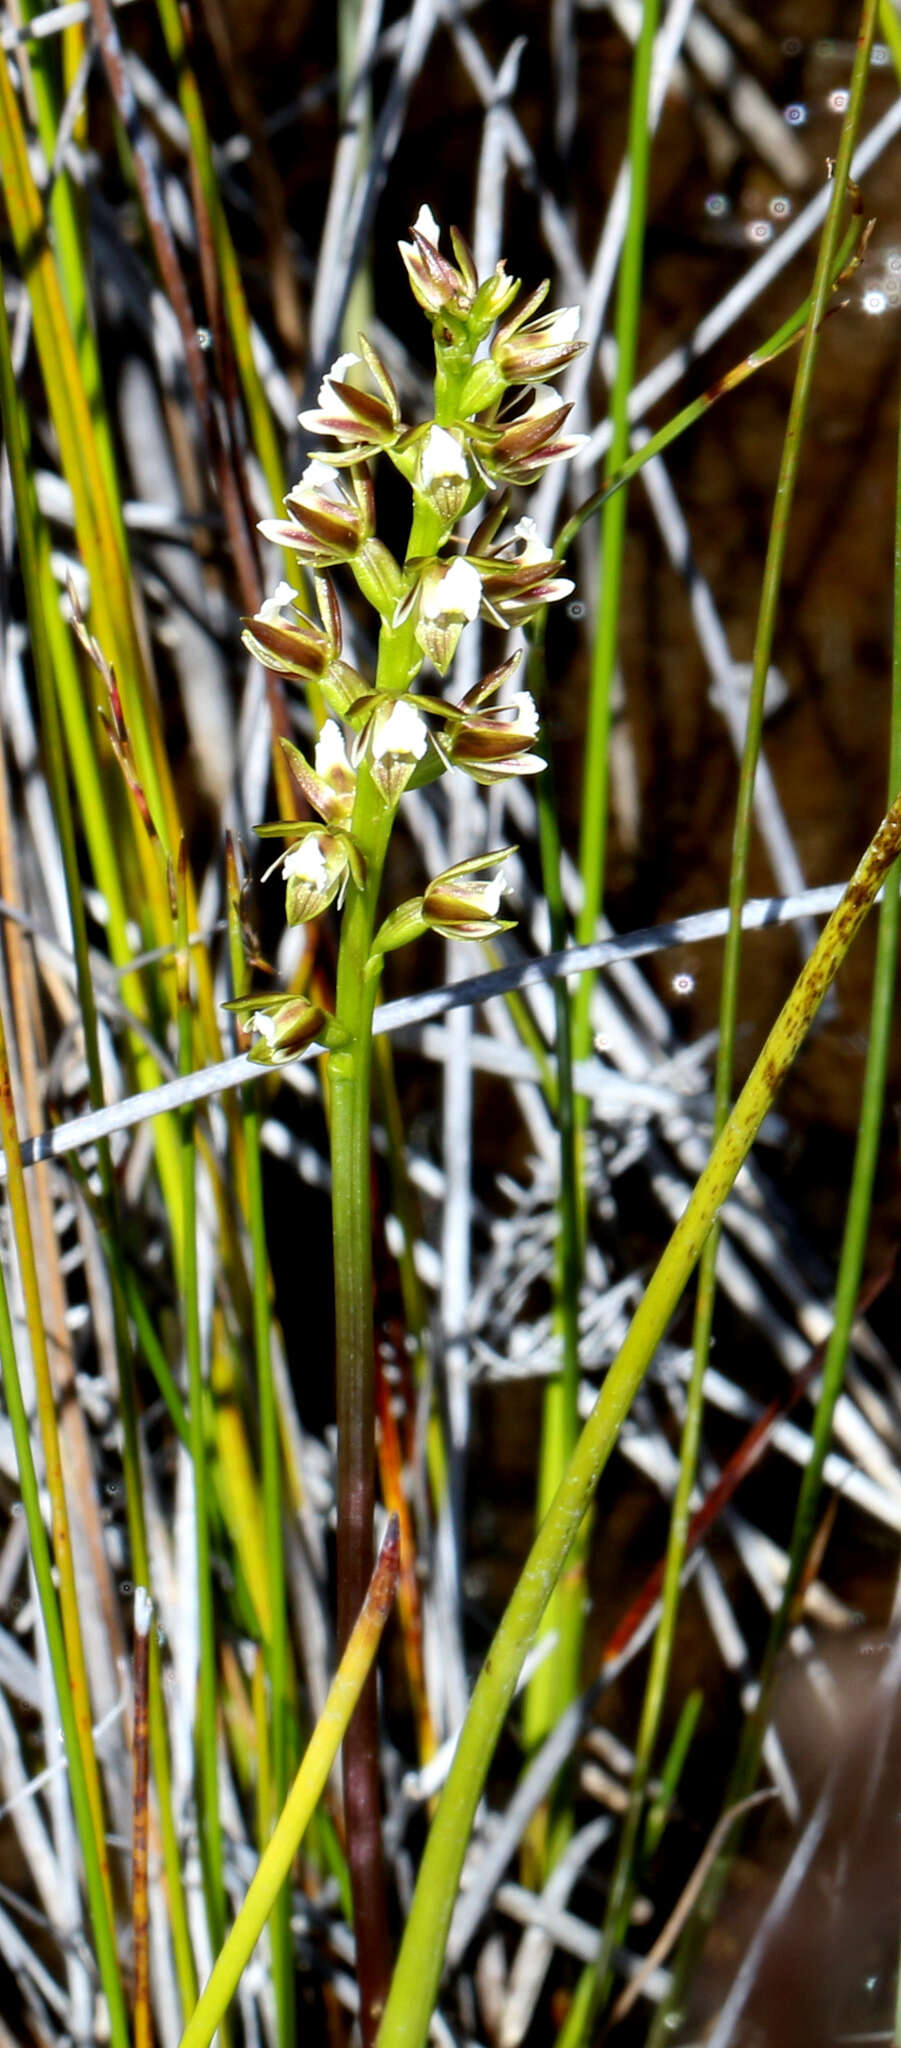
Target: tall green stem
(206, 1724)
(350, 1080)
(592, 849)
(729, 1001)
(350, 1072)
(556, 1680)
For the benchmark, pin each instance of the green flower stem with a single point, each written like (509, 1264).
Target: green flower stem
(350, 1095)
(350, 1088)
(307, 1788)
(417, 1974)
(412, 1295)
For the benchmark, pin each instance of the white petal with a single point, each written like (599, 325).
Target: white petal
(307, 860)
(318, 476)
(262, 1023)
(427, 226)
(563, 325)
(327, 397)
(535, 549)
(268, 613)
(339, 369)
(526, 720)
(441, 456)
(490, 894)
(544, 399)
(402, 732)
(330, 749)
(460, 593)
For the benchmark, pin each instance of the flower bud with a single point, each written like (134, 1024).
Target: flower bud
(297, 648)
(437, 285)
(378, 577)
(452, 291)
(460, 907)
(483, 387)
(454, 905)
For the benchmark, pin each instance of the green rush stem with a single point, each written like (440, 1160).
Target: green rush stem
(265, 438)
(98, 533)
(96, 1876)
(556, 1680)
(276, 1643)
(27, 525)
(595, 1982)
(350, 1073)
(890, 28)
(307, 1789)
(851, 1260)
(360, 306)
(45, 1400)
(417, 1973)
(73, 261)
(207, 1745)
(670, 1776)
(543, 1695)
(613, 526)
(859, 1205)
(48, 626)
